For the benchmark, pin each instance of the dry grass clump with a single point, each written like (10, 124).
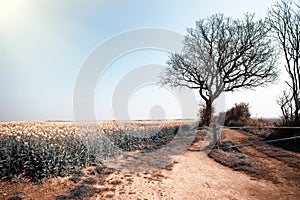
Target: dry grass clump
(237, 159)
(258, 123)
(250, 122)
(79, 192)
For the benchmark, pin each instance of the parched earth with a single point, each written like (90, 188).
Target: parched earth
(250, 172)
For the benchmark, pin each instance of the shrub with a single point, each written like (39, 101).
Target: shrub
(237, 115)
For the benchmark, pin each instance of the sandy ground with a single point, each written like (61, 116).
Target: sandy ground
(193, 176)
(202, 178)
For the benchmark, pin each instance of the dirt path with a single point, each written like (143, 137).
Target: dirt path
(202, 178)
(195, 177)
(191, 177)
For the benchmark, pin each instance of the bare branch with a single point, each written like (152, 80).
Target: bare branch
(223, 54)
(284, 19)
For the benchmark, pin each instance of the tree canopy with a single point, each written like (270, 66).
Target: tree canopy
(284, 19)
(223, 54)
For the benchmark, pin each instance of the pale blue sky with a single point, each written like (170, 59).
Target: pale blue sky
(43, 44)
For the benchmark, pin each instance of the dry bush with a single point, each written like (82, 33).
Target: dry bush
(237, 115)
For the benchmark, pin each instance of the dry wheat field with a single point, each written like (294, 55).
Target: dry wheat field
(36, 152)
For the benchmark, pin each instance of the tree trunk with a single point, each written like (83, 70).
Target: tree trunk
(207, 113)
(296, 111)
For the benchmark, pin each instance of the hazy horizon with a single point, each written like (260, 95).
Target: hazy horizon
(45, 43)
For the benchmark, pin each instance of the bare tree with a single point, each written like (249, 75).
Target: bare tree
(286, 105)
(284, 18)
(223, 54)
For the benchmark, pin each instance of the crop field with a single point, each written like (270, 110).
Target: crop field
(68, 160)
(37, 151)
